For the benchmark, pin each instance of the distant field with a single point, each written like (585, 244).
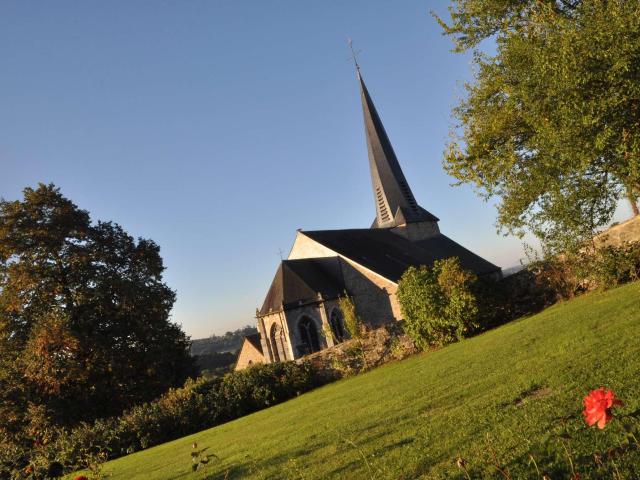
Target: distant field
(505, 390)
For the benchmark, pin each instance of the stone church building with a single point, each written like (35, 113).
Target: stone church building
(301, 305)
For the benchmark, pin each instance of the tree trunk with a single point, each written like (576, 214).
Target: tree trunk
(633, 200)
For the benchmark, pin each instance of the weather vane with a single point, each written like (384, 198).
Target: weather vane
(354, 54)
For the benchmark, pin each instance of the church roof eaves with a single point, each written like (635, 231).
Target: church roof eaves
(254, 340)
(299, 281)
(389, 255)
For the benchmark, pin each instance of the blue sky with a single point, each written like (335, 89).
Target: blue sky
(218, 128)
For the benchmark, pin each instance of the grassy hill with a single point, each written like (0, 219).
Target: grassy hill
(500, 395)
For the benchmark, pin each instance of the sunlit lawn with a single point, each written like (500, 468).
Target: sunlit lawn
(504, 390)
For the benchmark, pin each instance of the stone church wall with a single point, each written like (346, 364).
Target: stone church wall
(379, 346)
(628, 231)
(417, 231)
(374, 297)
(249, 355)
(312, 311)
(288, 322)
(278, 321)
(304, 247)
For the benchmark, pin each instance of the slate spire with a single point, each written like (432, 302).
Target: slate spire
(395, 203)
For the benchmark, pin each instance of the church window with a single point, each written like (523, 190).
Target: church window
(309, 338)
(337, 326)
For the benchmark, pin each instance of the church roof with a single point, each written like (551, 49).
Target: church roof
(254, 339)
(395, 203)
(389, 254)
(300, 281)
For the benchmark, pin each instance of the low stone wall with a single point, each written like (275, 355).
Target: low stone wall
(511, 297)
(377, 346)
(628, 231)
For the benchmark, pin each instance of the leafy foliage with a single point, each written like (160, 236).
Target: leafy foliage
(473, 21)
(438, 303)
(550, 125)
(356, 354)
(215, 363)
(352, 321)
(571, 274)
(199, 404)
(85, 326)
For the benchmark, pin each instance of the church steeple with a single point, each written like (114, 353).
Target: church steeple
(395, 203)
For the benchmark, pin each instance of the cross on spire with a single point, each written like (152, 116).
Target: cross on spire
(354, 54)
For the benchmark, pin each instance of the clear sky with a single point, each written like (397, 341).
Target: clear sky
(217, 128)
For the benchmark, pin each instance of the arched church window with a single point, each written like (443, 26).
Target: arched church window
(337, 325)
(309, 338)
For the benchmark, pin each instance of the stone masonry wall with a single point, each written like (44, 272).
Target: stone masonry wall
(628, 231)
(379, 346)
(249, 355)
(374, 296)
(304, 247)
(295, 315)
(269, 321)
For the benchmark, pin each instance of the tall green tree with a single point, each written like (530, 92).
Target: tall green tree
(85, 326)
(551, 124)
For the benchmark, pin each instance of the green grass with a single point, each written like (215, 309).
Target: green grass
(505, 390)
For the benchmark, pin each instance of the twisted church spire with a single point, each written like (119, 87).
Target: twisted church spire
(395, 203)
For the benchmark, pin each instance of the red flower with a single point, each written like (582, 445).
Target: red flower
(81, 477)
(598, 405)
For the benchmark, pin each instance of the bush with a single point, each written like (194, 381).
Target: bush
(512, 297)
(557, 276)
(438, 304)
(198, 405)
(568, 275)
(352, 321)
(614, 265)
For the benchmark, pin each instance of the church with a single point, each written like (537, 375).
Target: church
(301, 306)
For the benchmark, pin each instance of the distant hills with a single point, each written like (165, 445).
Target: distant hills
(217, 353)
(511, 270)
(229, 342)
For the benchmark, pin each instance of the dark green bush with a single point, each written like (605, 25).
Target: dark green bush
(512, 297)
(197, 406)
